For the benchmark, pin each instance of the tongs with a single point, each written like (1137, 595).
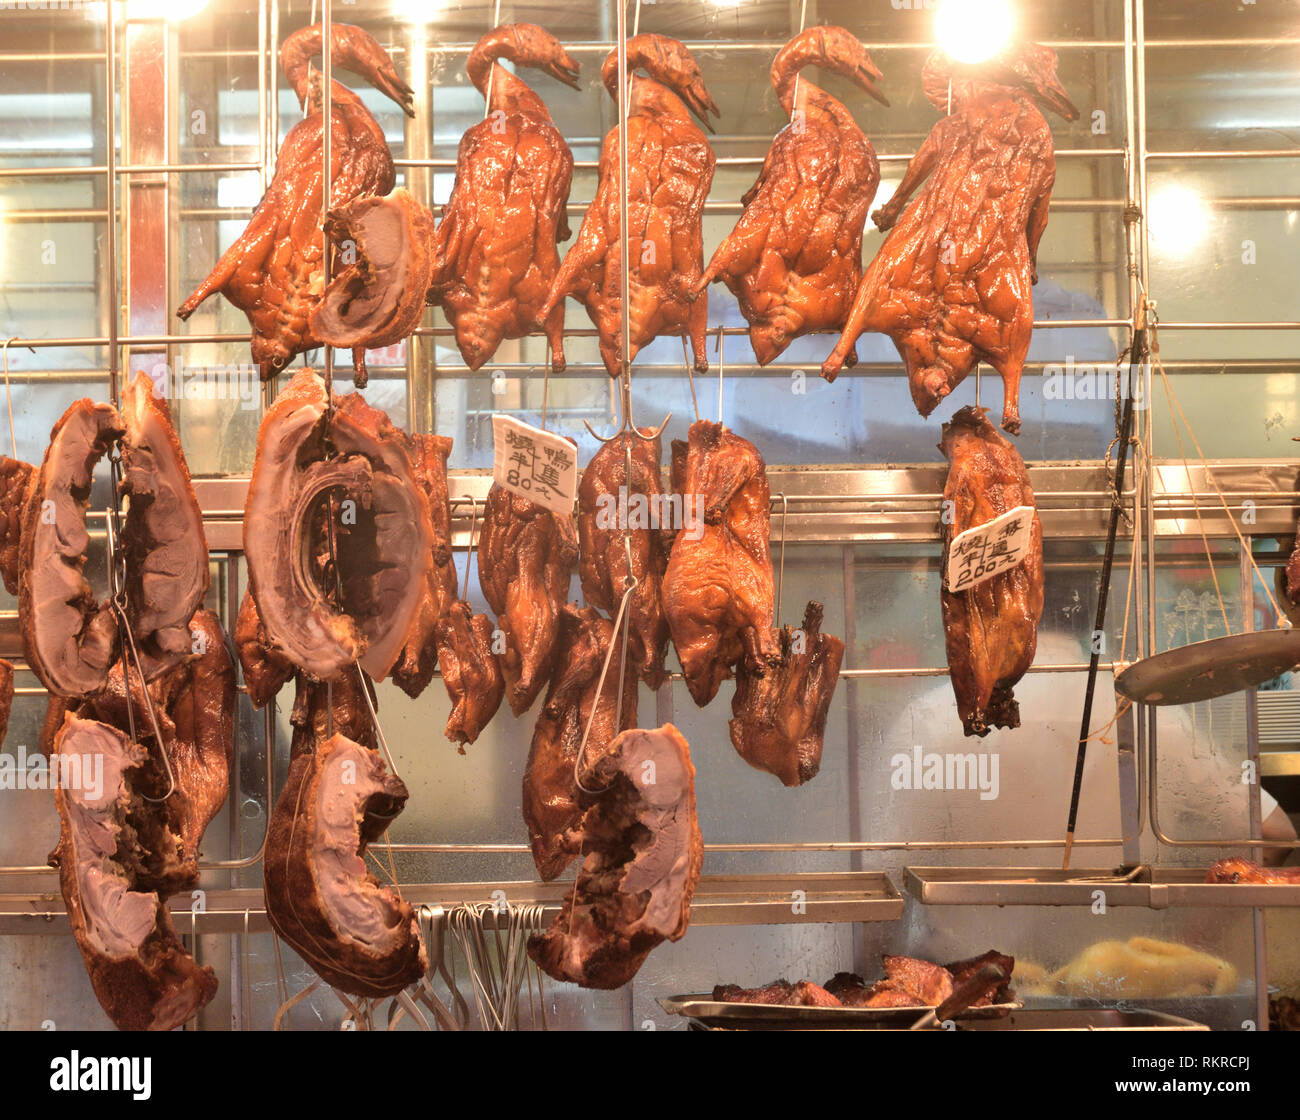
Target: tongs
(975, 986)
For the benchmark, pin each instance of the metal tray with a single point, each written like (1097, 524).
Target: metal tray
(705, 1010)
(1084, 1019)
(1157, 888)
(1211, 668)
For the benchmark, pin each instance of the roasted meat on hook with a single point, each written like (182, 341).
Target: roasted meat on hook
(15, 478)
(795, 257)
(275, 270)
(779, 719)
(526, 557)
(357, 934)
(379, 297)
(670, 169)
(620, 516)
(495, 251)
(718, 590)
(470, 671)
(70, 639)
(952, 283)
(381, 525)
(552, 802)
(265, 669)
(111, 844)
(991, 629)
(641, 859)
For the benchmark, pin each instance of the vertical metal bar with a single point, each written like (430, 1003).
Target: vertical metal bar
(421, 352)
(234, 849)
(852, 735)
(624, 261)
(1253, 790)
(327, 136)
(110, 161)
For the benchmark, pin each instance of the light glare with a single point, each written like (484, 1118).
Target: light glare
(1179, 219)
(974, 31)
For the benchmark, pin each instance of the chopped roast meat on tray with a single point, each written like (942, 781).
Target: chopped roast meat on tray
(963, 970)
(991, 629)
(670, 169)
(1246, 871)
(795, 257)
(953, 282)
(70, 638)
(112, 846)
(470, 671)
(381, 524)
(15, 478)
(414, 670)
(359, 935)
(616, 515)
(779, 993)
(496, 249)
(275, 271)
(378, 299)
(641, 857)
(718, 590)
(552, 802)
(779, 719)
(526, 557)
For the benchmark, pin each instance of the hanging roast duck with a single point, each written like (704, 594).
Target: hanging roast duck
(274, 272)
(952, 283)
(670, 169)
(795, 257)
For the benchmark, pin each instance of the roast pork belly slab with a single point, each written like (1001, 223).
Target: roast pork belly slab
(642, 858)
(358, 935)
(111, 842)
(470, 671)
(381, 522)
(162, 536)
(70, 639)
(378, 299)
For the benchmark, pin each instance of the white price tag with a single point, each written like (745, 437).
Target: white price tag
(539, 465)
(984, 551)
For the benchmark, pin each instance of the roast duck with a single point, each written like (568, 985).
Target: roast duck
(718, 588)
(794, 259)
(991, 628)
(495, 252)
(952, 283)
(641, 854)
(670, 169)
(275, 270)
(526, 557)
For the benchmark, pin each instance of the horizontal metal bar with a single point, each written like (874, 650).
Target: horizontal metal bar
(1226, 153)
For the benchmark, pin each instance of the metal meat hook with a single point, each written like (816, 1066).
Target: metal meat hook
(625, 401)
(9, 400)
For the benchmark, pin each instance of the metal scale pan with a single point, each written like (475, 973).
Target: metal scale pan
(1212, 668)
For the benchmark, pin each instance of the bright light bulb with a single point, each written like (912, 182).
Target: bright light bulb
(974, 30)
(416, 11)
(1179, 219)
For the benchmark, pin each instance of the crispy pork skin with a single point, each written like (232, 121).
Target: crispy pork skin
(357, 934)
(642, 854)
(991, 630)
(414, 669)
(141, 974)
(383, 539)
(162, 536)
(526, 557)
(779, 719)
(378, 299)
(470, 671)
(718, 591)
(618, 514)
(15, 478)
(496, 248)
(552, 803)
(70, 639)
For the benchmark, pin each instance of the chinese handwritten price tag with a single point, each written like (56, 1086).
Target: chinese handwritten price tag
(537, 464)
(996, 546)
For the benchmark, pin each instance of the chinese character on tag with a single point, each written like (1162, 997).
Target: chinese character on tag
(984, 551)
(541, 466)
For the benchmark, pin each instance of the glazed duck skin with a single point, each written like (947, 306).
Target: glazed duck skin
(496, 250)
(952, 283)
(670, 169)
(794, 259)
(274, 272)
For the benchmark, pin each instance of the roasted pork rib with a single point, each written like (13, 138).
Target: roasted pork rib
(795, 257)
(552, 802)
(670, 169)
(526, 557)
(779, 719)
(952, 283)
(618, 515)
(991, 629)
(642, 854)
(470, 671)
(496, 249)
(718, 591)
(274, 272)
